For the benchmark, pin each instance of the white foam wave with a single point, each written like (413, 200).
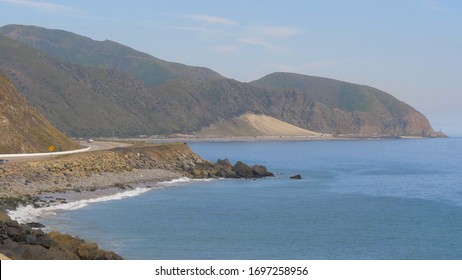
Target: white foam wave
(176, 181)
(28, 213)
(182, 180)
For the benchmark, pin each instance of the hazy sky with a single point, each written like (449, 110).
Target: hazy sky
(409, 48)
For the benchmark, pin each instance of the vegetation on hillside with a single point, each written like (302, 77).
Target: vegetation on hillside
(23, 129)
(105, 54)
(80, 86)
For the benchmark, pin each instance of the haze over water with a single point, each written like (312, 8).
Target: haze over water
(383, 199)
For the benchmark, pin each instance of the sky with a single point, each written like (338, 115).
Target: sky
(411, 49)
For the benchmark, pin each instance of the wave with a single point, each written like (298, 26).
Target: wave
(29, 213)
(176, 181)
(183, 180)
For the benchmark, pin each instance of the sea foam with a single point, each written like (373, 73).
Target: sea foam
(183, 180)
(29, 213)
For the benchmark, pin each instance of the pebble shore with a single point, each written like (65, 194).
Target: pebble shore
(22, 182)
(21, 188)
(90, 171)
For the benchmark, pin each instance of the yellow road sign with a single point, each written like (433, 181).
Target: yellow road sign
(52, 148)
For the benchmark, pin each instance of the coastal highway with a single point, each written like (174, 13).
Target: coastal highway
(94, 146)
(103, 145)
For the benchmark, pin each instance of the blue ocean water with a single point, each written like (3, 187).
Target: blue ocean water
(376, 199)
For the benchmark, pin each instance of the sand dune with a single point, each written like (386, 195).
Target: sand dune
(270, 126)
(254, 125)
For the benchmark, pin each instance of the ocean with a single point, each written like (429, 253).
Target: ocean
(358, 199)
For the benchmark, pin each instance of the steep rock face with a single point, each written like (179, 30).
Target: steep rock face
(22, 128)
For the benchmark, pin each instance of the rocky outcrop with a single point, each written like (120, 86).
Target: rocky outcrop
(296, 177)
(117, 167)
(260, 171)
(224, 169)
(23, 242)
(99, 169)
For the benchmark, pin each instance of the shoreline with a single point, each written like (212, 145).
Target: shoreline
(21, 182)
(80, 176)
(192, 139)
(98, 174)
(71, 200)
(24, 237)
(25, 192)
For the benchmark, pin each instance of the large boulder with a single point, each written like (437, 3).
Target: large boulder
(4, 217)
(224, 164)
(81, 249)
(18, 241)
(259, 171)
(243, 170)
(90, 251)
(37, 252)
(65, 241)
(224, 169)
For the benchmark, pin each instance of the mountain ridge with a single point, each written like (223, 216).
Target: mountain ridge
(354, 98)
(96, 101)
(105, 54)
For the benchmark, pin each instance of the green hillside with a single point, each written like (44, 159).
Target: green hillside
(87, 100)
(81, 101)
(363, 105)
(105, 54)
(333, 93)
(23, 129)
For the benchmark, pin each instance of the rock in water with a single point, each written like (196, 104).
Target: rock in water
(259, 171)
(224, 164)
(243, 170)
(297, 177)
(224, 169)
